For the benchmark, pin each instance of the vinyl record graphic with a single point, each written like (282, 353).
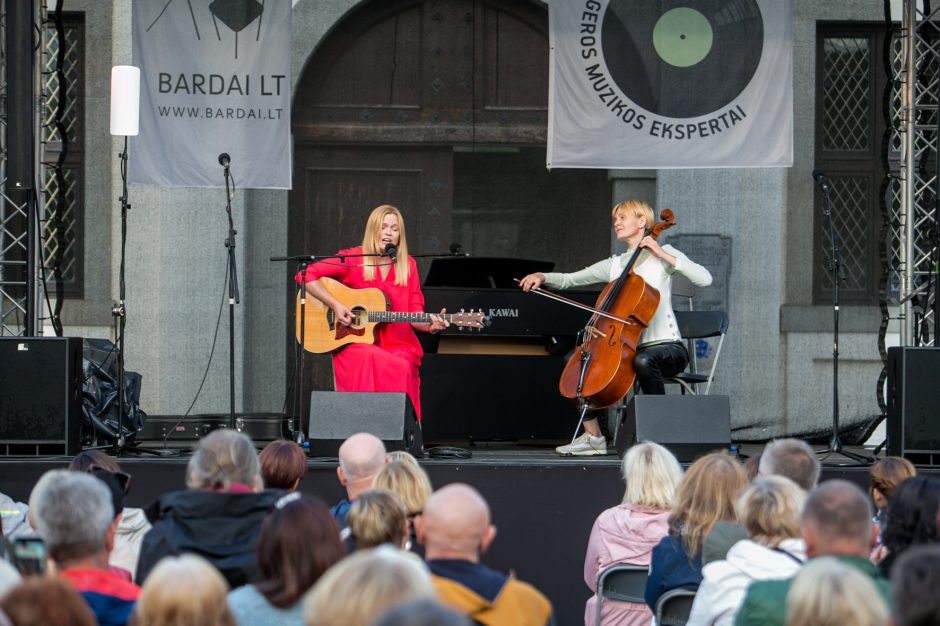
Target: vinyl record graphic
(682, 58)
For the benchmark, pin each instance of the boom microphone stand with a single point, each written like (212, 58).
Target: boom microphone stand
(838, 275)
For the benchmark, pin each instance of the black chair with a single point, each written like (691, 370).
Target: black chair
(699, 325)
(674, 607)
(623, 582)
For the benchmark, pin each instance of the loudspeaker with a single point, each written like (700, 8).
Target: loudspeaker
(40, 394)
(19, 93)
(913, 401)
(335, 415)
(687, 425)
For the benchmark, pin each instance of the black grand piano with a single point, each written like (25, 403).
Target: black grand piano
(499, 383)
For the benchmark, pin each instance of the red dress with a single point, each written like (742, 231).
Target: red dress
(391, 363)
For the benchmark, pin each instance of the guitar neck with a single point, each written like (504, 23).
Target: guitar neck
(402, 316)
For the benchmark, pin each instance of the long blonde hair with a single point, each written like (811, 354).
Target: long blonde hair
(652, 475)
(370, 244)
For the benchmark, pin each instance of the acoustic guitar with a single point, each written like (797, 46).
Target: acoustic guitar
(369, 307)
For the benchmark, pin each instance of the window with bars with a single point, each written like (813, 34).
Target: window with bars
(850, 126)
(64, 185)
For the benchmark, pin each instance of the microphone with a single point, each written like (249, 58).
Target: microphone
(457, 250)
(820, 178)
(224, 159)
(392, 251)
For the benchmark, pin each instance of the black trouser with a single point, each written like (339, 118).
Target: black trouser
(654, 363)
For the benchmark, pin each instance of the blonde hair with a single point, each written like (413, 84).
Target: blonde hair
(401, 456)
(370, 244)
(826, 592)
(408, 481)
(377, 516)
(181, 591)
(636, 207)
(222, 458)
(706, 496)
(357, 589)
(652, 475)
(770, 510)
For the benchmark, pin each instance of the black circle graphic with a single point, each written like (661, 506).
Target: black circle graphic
(663, 88)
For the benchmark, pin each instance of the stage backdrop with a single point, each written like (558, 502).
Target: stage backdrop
(670, 83)
(215, 78)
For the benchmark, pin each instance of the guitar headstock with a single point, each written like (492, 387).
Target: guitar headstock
(469, 319)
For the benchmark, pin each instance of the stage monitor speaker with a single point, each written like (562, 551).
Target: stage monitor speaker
(913, 398)
(687, 425)
(40, 395)
(335, 415)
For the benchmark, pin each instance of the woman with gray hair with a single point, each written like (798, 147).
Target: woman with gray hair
(769, 509)
(219, 517)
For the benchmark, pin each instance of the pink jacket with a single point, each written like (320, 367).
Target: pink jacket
(622, 534)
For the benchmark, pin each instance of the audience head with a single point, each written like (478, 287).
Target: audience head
(283, 464)
(886, 475)
(652, 475)
(360, 587)
(299, 541)
(183, 591)
(401, 456)
(826, 592)
(423, 612)
(706, 496)
(915, 579)
(752, 466)
(46, 600)
(792, 458)
(101, 466)
(222, 459)
(911, 517)
(75, 516)
(360, 459)
(378, 516)
(86, 460)
(837, 520)
(408, 481)
(770, 508)
(455, 524)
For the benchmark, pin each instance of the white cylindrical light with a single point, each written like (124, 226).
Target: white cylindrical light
(125, 100)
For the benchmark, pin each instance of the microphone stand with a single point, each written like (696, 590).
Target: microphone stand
(233, 295)
(837, 272)
(118, 310)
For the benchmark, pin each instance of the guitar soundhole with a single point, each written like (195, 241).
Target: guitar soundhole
(360, 317)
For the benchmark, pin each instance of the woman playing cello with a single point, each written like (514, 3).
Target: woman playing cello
(660, 350)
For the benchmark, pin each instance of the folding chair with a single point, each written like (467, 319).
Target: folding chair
(699, 325)
(623, 582)
(674, 607)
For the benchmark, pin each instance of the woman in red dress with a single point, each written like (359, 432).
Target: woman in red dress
(391, 363)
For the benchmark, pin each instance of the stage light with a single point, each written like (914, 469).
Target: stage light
(125, 100)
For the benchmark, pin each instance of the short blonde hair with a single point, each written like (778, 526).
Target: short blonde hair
(182, 591)
(826, 592)
(408, 481)
(652, 475)
(401, 456)
(222, 458)
(635, 207)
(377, 516)
(357, 589)
(770, 510)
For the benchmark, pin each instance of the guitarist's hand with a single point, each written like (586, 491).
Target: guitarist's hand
(438, 323)
(342, 314)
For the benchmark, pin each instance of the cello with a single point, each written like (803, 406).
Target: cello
(600, 372)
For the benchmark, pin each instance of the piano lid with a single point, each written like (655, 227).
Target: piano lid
(477, 272)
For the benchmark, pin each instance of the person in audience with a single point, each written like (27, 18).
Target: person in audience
(886, 474)
(46, 601)
(836, 522)
(378, 517)
(299, 541)
(829, 593)
(219, 517)
(76, 519)
(915, 580)
(455, 529)
(183, 591)
(13, 516)
(132, 523)
(910, 519)
(360, 458)
(423, 612)
(707, 495)
(790, 458)
(283, 465)
(770, 510)
(401, 456)
(410, 482)
(628, 532)
(360, 587)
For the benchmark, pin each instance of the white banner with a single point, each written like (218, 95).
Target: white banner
(652, 84)
(215, 78)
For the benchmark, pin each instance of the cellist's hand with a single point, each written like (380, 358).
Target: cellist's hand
(532, 281)
(656, 250)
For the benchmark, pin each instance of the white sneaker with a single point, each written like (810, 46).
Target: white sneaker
(585, 445)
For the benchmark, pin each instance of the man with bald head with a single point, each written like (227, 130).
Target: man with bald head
(836, 522)
(455, 529)
(360, 458)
